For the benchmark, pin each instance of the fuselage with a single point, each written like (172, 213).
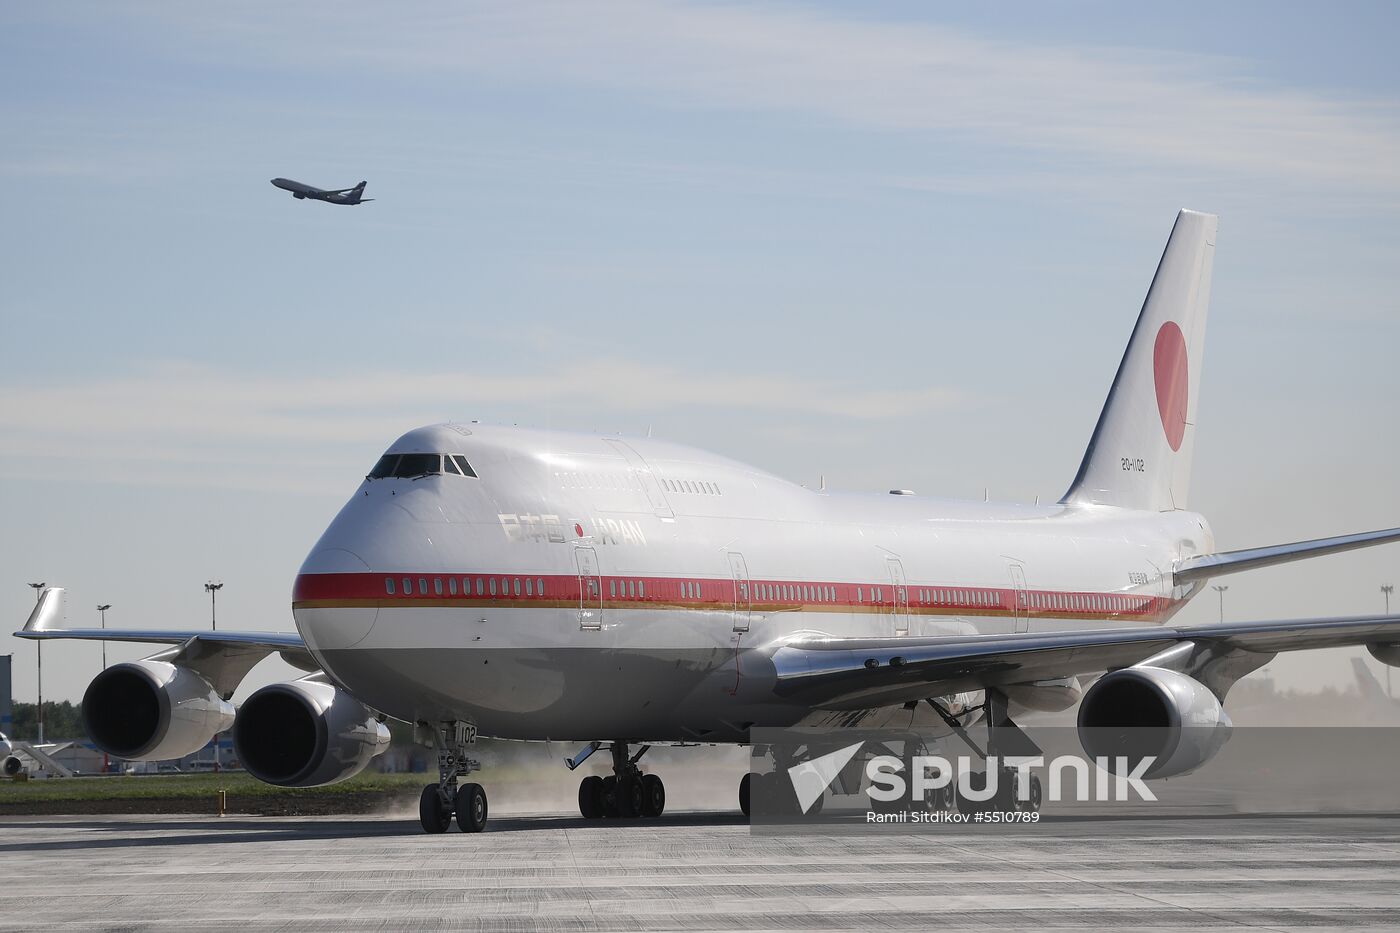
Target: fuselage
(582, 587)
(299, 190)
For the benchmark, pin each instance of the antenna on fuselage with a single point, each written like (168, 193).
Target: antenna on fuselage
(822, 487)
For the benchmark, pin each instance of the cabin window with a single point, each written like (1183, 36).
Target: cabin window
(517, 586)
(641, 589)
(407, 586)
(452, 586)
(480, 589)
(529, 587)
(539, 585)
(612, 588)
(437, 585)
(493, 586)
(389, 585)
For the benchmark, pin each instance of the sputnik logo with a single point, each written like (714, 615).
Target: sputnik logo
(811, 778)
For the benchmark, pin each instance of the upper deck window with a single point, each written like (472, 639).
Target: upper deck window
(409, 466)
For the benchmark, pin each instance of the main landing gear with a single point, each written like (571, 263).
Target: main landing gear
(441, 801)
(627, 792)
(1004, 739)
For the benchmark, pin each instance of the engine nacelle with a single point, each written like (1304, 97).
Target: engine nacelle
(11, 766)
(1138, 712)
(153, 711)
(1388, 653)
(305, 734)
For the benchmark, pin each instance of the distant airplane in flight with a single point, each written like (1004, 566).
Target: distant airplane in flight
(342, 196)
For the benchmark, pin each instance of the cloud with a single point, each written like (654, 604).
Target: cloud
(185, 423)
(1117, 105)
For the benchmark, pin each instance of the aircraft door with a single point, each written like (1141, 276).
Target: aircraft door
(743, 600)
(900, 604)
(590, 589)
(1020, 602)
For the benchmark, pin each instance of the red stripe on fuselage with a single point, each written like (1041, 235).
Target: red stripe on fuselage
(420, 589)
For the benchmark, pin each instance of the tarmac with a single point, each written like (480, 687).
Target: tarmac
(697, 871)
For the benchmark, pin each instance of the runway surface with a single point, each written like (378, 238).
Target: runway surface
(696, 872)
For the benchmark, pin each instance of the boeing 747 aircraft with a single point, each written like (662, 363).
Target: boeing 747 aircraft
(339, 196)
(621, 592)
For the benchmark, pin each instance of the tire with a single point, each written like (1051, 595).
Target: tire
(653, 796)
(590, 797)
(1037, 796)
(434, 817)
(471, 808)
(629, 798)
(745, 795)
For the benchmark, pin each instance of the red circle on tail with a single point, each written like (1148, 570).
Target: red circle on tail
(1173, 386)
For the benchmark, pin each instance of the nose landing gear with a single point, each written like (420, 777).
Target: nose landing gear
(625, 793)
(439, 802)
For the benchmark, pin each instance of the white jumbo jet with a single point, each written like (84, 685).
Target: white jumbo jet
(619, 593)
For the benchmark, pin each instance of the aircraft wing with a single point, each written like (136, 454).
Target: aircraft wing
(222, 657)
(1214, 565)
(861, 673)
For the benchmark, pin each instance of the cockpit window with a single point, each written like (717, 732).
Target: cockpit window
(407, 466)
(418, 465)
(385, 466)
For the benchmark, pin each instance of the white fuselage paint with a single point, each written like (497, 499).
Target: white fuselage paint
(715, 546)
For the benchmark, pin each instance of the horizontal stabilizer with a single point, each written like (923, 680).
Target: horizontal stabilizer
(1214, 565)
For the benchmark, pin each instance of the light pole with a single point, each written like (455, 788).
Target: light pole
(1387, 589)
(1221, 590)
(103, 610)
(213, 589)
(39, 656)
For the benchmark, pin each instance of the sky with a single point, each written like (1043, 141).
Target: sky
(897, 245)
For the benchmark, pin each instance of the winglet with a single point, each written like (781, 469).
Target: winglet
(48, 612)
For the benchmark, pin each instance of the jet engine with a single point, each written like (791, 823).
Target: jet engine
(11, 766)
(1141, 712)
(153, 711)
(306, 733)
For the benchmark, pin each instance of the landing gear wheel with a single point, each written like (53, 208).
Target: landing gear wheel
(745, 792)
(653, 795)
(629, 797)
(590, 797)
(948, 797)
(471, 808)
(432, 813)
(1032, 803)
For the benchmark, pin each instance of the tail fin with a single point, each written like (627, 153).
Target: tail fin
(1140, 454)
